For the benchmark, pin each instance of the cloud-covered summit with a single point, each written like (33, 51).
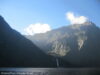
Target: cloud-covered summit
(75, 19)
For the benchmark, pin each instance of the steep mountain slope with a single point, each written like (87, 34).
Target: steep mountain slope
(78, 44)
(17, 51)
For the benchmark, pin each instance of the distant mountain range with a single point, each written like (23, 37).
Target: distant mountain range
(75, 45)
(78, 44)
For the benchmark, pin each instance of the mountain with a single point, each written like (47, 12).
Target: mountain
(18, 51)
(78, 44)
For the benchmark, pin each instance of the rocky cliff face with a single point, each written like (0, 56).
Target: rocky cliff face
(78, 44)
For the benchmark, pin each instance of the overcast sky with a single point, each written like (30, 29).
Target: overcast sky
(39, 16)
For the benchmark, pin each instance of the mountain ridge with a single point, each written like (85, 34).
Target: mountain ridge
(77, 44)
(18, 51)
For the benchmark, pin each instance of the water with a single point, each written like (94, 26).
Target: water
(49, 71)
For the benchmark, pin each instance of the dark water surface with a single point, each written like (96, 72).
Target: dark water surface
(49, 71)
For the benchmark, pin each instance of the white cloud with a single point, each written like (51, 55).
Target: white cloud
(37, 28)
(75, 19)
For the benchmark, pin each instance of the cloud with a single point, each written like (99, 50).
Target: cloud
(75, 19)
(37, 28)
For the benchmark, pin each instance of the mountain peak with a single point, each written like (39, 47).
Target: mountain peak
(3, 24)
(87, 23)
(1, 17)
